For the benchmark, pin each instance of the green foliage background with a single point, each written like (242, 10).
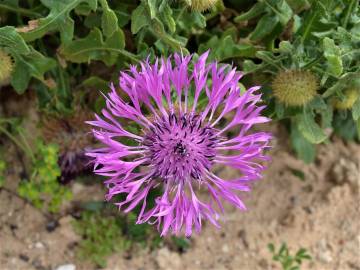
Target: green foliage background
(59, 46)
(66, 51)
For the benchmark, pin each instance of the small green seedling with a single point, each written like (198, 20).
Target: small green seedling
(42, 189)
(101, 236)
(287, 261)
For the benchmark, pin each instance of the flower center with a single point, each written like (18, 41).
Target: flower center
(180, 147)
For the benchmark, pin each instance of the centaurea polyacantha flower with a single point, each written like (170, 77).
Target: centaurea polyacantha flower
(178, 146)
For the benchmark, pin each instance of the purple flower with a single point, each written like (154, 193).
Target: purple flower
(179, 143)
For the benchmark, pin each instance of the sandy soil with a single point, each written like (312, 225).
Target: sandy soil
(320, 212)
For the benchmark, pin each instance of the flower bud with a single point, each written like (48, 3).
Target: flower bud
(351, 95)
(202, 5)
(295, 87)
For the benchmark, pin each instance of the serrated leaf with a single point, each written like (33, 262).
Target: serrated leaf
(332, 54)
(309, 128)
(313, 20)
(93, 47)
(11, 40)
(58, 19)
(109, 20)
(33, 64)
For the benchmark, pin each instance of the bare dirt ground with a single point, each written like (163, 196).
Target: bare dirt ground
(320, 213)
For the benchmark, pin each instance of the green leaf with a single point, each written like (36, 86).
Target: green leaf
(332, 54)
(281, 9)
(298, 5)
(265, 25)
(152, 8)
(309, 128)
(11, 40)
(226, 48)
(109, 20)
(312, 20)
(166, 17)
(93, 47)
(96, 83)
(350, 79)
(271, 247)
(57, 20)
(326, 112)
(33, 64)
(255, 11)
(285, 47)
(139, 18)
(85, 8)
(190, 20)
(356, 109)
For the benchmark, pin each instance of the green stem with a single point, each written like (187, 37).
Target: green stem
(180, 13)
(26, 144)
(129, 55)
(348, 13)
(27, 151)
(22, 11)
(312, 63)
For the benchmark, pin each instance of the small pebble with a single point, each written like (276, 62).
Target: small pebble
(66, 267)
(39, 245)
(225, 248)
(52, 225)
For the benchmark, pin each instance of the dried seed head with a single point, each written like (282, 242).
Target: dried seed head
(295, 87)
(202, 5)
(351, 95)
(71, 134)
(6, 67)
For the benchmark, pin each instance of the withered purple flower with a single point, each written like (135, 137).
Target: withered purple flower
(179, 141)
(72, 135)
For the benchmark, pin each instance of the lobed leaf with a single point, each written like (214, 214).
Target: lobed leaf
(93, 47)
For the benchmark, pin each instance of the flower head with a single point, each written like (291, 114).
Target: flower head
(72, 136)
(179, 144)
(202, 5)
(351, 95)
(6, 67)
(295, 87)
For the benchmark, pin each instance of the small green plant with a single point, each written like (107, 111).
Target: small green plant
(42, 188)
(287, 261)
(142, 234)
(101, 236)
